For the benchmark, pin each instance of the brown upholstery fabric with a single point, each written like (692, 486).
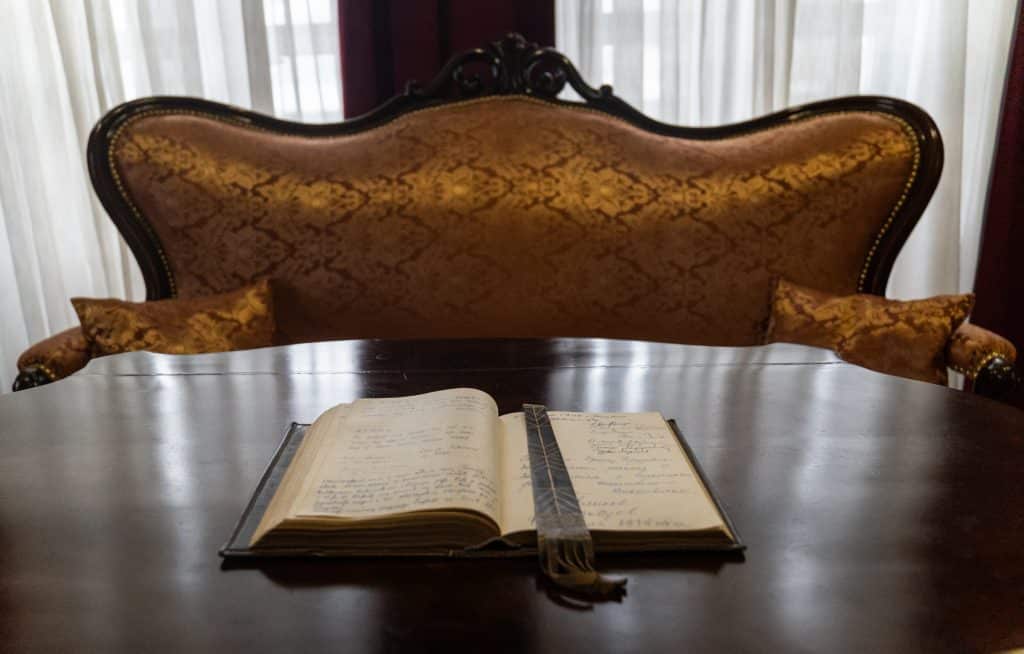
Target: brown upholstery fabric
(904, 338)
(508, 216)
(58, 356)
(972, 347)
(237, 320)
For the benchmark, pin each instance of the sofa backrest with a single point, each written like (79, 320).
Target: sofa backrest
(514, 216)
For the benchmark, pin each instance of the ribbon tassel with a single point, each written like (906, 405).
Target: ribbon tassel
(568, 563)
(564, 545)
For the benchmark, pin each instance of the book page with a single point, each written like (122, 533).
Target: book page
(394, 455)
(293, 479)
(628, 470)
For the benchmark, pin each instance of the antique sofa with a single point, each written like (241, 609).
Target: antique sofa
(482, 206)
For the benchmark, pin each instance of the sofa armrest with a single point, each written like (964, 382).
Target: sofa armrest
(52, 359)
(985, 358)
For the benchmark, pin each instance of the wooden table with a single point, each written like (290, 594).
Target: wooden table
(880, 514)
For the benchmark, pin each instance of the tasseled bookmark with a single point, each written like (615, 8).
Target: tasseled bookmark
(563, 540)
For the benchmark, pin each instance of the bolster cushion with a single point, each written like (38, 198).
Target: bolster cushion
(971, 348)
(903, 338)
(57, 356)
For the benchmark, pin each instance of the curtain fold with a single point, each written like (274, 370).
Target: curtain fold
(705, 63)
(63, 63)
(1000, 281)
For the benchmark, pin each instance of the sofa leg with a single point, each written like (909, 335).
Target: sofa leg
(997, 380)
(30, 377)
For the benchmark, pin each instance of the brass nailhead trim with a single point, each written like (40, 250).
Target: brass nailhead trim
(245, 124)
(914, 168)
(985, 360)
(42, 366)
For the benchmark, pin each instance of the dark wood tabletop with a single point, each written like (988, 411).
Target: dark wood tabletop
(880, 514)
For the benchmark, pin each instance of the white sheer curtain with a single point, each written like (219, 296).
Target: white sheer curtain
(63, 63)
(698, 62)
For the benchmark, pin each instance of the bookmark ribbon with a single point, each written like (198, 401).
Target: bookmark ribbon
(564, 545)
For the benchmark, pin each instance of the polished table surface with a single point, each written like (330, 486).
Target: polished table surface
(880, 514)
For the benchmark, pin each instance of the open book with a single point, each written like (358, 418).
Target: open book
(443, 473)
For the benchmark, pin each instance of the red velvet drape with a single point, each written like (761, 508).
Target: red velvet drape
(386, 43)
(1000, 280)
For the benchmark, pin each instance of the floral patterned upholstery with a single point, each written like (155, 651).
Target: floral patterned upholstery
(509, 216)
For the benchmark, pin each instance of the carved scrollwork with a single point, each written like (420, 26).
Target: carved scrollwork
(512, 65)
